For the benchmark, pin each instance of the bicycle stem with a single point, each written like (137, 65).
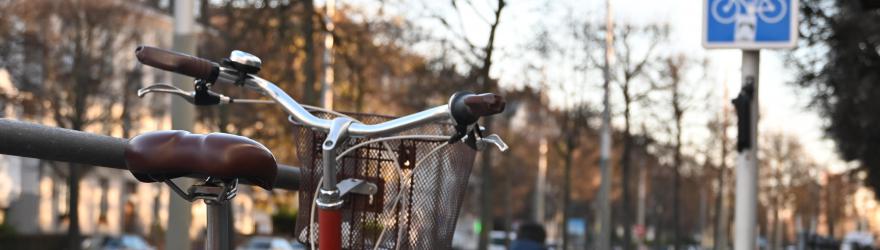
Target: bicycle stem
(329, 200)
(329, 197)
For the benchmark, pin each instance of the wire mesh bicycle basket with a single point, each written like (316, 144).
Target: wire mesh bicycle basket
(429, 195)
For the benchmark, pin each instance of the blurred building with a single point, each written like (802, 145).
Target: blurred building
(34, 193)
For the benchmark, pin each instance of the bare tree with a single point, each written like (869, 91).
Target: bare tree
(635, 50)
(308, 33)
(572, 125)
(676, 74)
(76, 48)
(631, 66)
(718, 148)
(480, 57)
(786, 166)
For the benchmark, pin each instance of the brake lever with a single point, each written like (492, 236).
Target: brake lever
(251, 101)
(492, 139)
(165, 88)
(191, 96)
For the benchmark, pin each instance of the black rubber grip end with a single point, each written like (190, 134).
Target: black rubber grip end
(467, 107)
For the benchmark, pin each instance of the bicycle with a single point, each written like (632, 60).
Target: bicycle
(224, 161)
(161, 156)
(463, 108)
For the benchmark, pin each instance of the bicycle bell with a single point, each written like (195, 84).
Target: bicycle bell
(244, 62)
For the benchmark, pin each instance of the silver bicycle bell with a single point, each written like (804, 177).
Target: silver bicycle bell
(245, 62)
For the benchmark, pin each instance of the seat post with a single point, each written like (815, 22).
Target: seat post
(219, 228)
(216, 194)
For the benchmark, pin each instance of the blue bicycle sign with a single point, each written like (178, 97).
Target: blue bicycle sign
(750, 24)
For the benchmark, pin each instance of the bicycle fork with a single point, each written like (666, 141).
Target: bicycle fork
(331, 192)
(329, 200)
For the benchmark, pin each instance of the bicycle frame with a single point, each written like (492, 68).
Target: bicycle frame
(240, 69)
(329, 200)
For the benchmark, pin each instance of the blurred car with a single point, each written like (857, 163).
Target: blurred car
(857, 240)
(496, 239)
(122, 242)
(266, 243)
(296, 245)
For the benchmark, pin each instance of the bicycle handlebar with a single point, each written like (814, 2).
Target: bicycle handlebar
(465, 108)
(177, 62)
(484, 104)
(57, 144)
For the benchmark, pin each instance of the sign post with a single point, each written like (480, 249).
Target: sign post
(749, 25)
(745, 214)
(182, 118)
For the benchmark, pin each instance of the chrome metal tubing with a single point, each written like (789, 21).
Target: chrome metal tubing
(301, 115)
(438, 113)
(329, 197)
(289, 104)
(337, 136)
(219, 228)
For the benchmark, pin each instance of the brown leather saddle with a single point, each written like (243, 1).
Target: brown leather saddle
(161, 155)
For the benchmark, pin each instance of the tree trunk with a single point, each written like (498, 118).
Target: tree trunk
(566, 187)
(704, 210)
(829, 208)
(719, 209)
(77, 123)
(308, 25)
(488, 86)
(508, 210)
(677, 164)
(625, 172)
(777, 203)
(486, 193)
(675, 199)
(720, 220)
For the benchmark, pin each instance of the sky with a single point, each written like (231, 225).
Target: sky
(783, 105)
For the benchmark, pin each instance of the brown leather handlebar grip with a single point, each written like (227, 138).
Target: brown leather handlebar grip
(177, 62)
(485, 104)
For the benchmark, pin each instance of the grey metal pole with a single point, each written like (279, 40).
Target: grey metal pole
(218, 235)
(327, 80)
(745, 216)
(541, 181)
(604, 239)
(182, 118)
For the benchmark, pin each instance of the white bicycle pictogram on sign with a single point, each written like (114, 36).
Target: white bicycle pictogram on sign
(728, 11)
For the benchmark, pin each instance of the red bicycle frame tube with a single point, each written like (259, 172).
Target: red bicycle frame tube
(329, 229)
